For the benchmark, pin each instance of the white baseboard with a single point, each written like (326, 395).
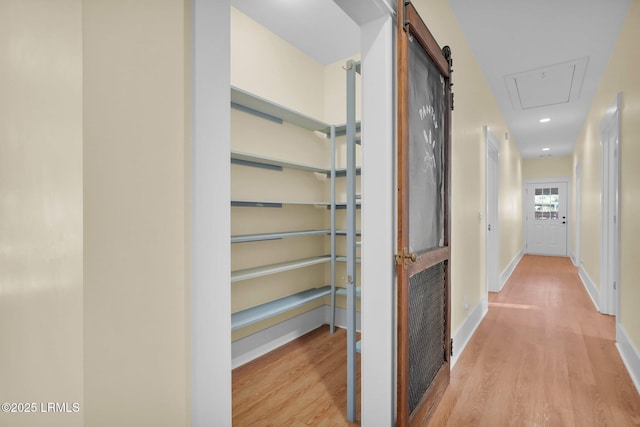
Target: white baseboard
(255, 345)
(574, 259)
(341, 317)
(465, 332)
(629, 354)
(509, 270)
(590, 286)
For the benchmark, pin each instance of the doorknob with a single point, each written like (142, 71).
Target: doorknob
(403, 257)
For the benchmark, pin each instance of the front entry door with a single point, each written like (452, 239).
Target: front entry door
(423, 258)
(546, 218)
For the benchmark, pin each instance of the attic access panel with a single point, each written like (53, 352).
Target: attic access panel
(550, 85)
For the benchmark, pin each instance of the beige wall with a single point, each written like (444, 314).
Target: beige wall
(621, 76)
(547, 167)
(510, 204)
(475, 107)
(135, 171)
(94, 183)
(261, 63)
(41, 208)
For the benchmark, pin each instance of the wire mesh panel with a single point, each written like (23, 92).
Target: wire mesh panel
(426, 330)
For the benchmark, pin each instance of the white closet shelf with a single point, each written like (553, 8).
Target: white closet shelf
(271, 161)
(264, 311)
(343, 291)
(253, 104)
(241, 238)
(265, 270)
(273, 203)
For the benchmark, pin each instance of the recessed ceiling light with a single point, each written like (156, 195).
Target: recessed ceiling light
(545, 120)
(546, 149)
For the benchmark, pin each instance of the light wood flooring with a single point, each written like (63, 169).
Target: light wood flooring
(302, 383)
(542, 356)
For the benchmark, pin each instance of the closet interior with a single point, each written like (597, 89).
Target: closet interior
(295, 196)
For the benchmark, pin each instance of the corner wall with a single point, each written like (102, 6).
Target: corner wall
(41, 225)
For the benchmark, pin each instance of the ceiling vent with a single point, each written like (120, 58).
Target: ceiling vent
(550, 85)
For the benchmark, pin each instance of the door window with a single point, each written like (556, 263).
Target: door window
(546, 203)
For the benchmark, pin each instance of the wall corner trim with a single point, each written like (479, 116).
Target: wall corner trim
(504, 276)
(574, 258)
(590, 286)
(464, 333)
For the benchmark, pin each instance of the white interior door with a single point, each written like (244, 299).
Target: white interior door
(493, 248)
(610, 241)
(578, 214)
(546, 218)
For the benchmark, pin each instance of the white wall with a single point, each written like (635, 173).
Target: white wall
(210, 392)
(378, 382)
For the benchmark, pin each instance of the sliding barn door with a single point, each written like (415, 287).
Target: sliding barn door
(423, 259)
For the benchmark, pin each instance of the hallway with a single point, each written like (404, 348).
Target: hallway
(542, 356)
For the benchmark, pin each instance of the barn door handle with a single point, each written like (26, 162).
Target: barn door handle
(403, 257)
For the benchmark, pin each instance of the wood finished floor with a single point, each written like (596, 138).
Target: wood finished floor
(542, 356)
(302, 383)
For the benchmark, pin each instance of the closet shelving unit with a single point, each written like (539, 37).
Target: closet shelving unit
(352, 290)
(265, 109)
(257, 106)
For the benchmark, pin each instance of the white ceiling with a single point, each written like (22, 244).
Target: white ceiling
(542, 58)
(551, 54)
(318, 27)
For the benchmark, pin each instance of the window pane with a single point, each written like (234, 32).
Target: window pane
(546, 203)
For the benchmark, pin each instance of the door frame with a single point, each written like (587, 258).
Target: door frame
(610, 211)
(210, 388)
(492, 237)
(526, 183)
(578, 221)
